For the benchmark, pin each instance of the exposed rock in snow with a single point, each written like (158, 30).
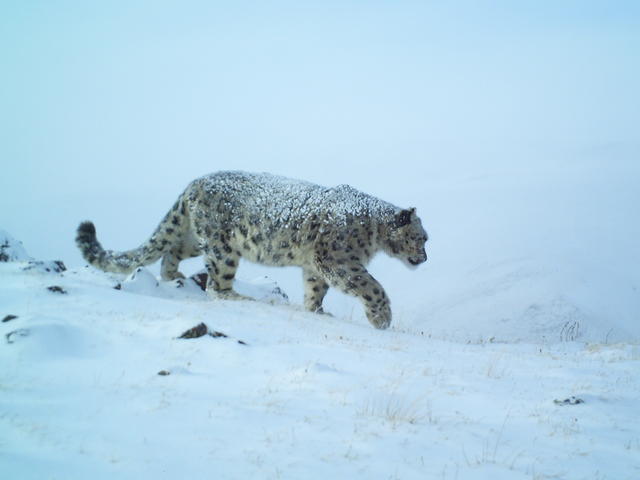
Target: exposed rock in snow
(263, 289)
(141, 281)
(11, 250)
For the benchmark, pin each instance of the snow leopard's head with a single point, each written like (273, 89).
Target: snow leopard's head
(406, 238)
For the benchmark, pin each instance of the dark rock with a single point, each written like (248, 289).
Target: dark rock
(55, 266)
(569, 401)
(8, 318)
(215, 334)
(164, 373)
(196, 332)
(21, 332)
(57, 289)
(59, 265)
(279, 292)
(202, 330)
(200, 279)
(11, 250)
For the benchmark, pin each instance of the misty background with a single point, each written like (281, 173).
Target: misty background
(513, 127)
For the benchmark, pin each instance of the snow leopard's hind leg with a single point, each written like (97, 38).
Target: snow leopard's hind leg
(315, 289)
(186, 248)
(169, 265)
(221, 262)
(181, 241)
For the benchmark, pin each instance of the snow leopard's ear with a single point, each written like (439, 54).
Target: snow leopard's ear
(403, 217)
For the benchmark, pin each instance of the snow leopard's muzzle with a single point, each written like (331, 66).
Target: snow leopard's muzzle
(418, 259)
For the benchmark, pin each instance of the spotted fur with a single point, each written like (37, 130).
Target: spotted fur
(331, 233)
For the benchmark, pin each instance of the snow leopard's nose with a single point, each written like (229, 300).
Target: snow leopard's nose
(419, 259)
(422, 257)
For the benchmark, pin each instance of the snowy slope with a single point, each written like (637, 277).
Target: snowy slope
(303, 395)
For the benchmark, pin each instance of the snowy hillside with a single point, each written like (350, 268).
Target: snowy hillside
(96, 384)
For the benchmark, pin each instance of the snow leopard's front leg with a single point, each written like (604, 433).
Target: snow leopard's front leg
(354, 279)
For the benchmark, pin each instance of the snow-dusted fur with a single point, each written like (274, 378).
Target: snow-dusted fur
(331, 233)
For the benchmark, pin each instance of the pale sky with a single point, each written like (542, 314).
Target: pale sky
(108, 109)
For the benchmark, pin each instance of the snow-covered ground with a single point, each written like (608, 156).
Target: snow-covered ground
(289, 394)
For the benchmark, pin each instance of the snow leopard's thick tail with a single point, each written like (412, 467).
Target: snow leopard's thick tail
(126, 262)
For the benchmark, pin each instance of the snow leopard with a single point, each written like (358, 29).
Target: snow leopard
(331, 233)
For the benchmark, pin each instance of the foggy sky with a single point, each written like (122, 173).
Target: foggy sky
(108, 109)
